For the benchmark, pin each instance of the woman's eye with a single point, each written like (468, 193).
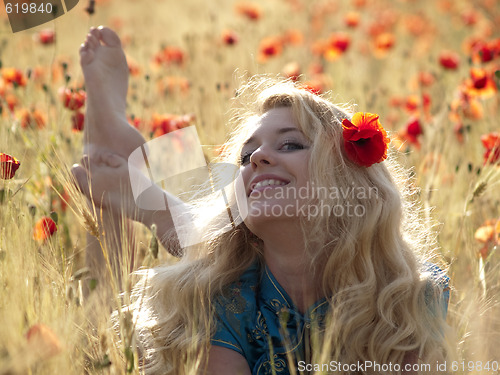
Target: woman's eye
(245, 158)
(291, 146)
(286, 146)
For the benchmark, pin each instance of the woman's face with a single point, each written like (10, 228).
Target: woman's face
(274, 169)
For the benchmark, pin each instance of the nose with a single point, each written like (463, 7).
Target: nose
(261, 156)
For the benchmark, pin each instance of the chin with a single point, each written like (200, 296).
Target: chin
(260, 212)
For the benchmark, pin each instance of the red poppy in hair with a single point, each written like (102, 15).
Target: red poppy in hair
(365, 140)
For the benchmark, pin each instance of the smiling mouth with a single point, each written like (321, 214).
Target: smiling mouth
(266, 184)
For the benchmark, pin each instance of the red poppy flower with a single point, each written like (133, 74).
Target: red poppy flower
(482, 51)
(426, 101)
(133, 67)
(489, 235)
(317, 85)
(77, 121)
(44, 229)
(8, 166)
(412, 131)
(12, 101)
(466, 105)
(351, 19)
(269, 47)
(249, 10)
(412, 103)
(479, 78)
(481, 83)
(383, 43)
(166, 123)
(449, 60)
(173, 84)
(414, 128)
(72, 99)
(170, 55)
(42, 341)
(314, 87)
(229, 37)
(426, 79)
(365, 140)
(338, 43)
(61, 200)
(293, 37)
(491, 143)
(46, 36)
(136, 122)
(13, 76)
(30, 119)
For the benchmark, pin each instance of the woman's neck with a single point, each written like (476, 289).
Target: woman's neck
(284, 254)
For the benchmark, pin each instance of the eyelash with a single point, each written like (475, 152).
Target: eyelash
(246, 157)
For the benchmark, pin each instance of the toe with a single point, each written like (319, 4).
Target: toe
(80, 179)
(109, 37)
(86, 56)
(85, 162)
(83, 47)
(95, 32)
(92, 41)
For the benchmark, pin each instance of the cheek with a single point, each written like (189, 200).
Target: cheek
(245, 177)
(241, 194)
(301, 169)
(245, 172)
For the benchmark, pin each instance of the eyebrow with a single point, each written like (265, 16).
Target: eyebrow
(279, 131)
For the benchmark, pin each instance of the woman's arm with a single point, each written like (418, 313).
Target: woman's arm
(225, 361)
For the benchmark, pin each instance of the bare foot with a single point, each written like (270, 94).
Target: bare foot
(106, 80)
(103, 177)
(109, 182)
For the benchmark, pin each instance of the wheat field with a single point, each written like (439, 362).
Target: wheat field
(429, 68)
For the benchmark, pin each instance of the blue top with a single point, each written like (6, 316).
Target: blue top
(252, 312)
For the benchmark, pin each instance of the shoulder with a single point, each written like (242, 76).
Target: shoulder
(221, 361)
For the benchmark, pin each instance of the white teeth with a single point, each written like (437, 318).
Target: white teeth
(268, 182)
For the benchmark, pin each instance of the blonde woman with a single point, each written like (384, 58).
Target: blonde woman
(324, 273)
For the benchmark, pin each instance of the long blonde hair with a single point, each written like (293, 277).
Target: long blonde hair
(383, 306)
